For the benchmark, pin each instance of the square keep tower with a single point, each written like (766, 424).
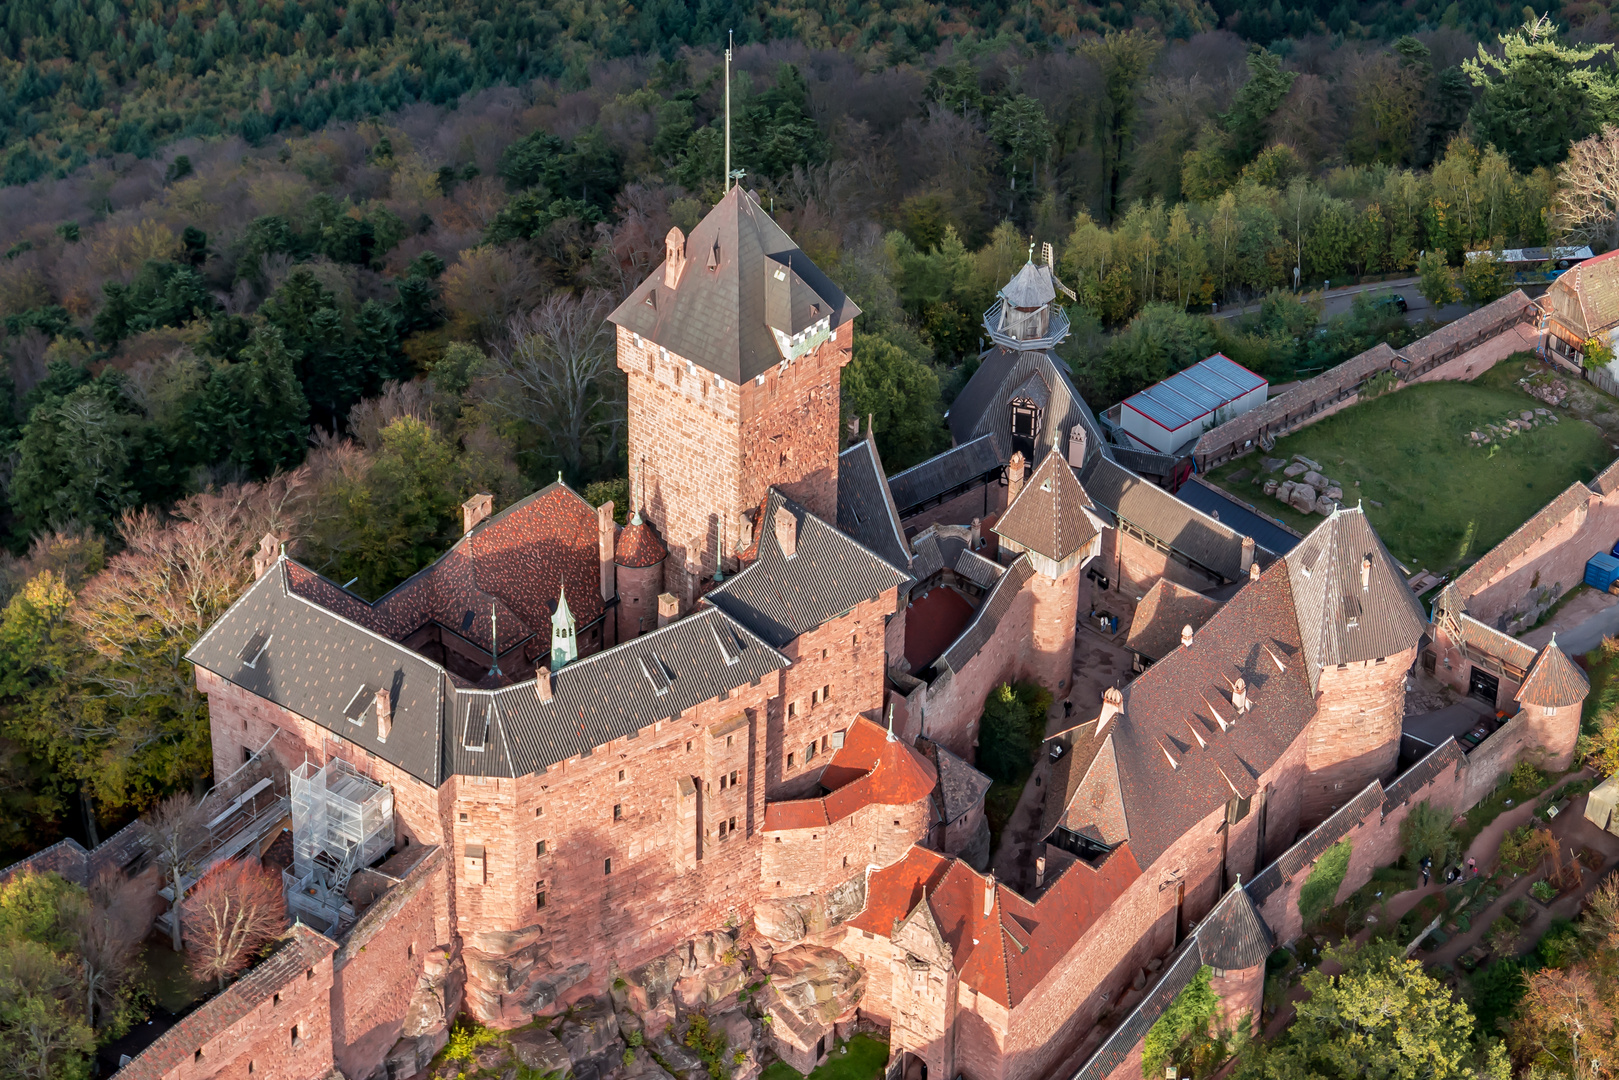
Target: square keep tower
(733, 349)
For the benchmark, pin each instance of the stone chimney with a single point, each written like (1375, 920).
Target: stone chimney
(1247, 553)
(744, 533)
(1253, 571)
(475, 510)
(1077, 441)
(1040, 872)
(606, 541)
(989, 895)
(668, 608)
(1112, 705)
(542, 683)
(1239, 696)
(1365, 573)
(385, 714)
(674, 257)
(975, 534)
(1186, 636)
(264, 558)
(786, 531)
(1014, 476)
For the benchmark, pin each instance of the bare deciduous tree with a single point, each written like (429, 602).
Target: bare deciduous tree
(1587, 206)
(236, 909)
(107, 926)
(558, 371)
(177, 825)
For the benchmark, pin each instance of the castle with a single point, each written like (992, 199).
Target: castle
(756, 706)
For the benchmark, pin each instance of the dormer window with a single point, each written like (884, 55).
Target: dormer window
(355, 709)
(475, 734)
(254, 648)
(781, 275)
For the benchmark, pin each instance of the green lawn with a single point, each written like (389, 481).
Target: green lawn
(864, 1060)
(1445, 501)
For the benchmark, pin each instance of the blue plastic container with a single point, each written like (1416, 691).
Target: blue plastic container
(1601, 572)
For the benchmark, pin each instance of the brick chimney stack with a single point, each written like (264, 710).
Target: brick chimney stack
(1040, 872)
(1253, 571)
(674, 256)
(989, 895)
(1239, 696)
(1186, 636)
(1014, 476)
(975, 537)
(264, 558)
(542, 683)
(786, 531)
(1365, 573)
(668, 608)
(1247, 553)
(385, 714)
(1077, 440)
(606, 542)
(474, 510)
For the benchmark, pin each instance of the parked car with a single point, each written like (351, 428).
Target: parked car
(1397, 302)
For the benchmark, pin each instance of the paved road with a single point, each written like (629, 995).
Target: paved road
(1340, 301)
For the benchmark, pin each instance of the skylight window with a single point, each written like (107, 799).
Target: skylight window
(475, 735)
(254, 648)
(355, 709)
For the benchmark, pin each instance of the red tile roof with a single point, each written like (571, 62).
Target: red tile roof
(638, 545)
(869, 770)
(520, 557)
(1554, 681)
(1006, 952)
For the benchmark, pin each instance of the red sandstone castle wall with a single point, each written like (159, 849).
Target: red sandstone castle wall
(1555, 559)
(790, 429)
(951, 709)
(1052, 621)
(376, 971)
(796, 862)
(1355, 736)
(978, 502)
(843, 658)
(1133, 567)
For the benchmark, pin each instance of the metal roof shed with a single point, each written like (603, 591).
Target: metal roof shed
(1166, 416)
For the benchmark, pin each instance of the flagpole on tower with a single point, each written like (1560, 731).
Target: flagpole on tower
(730, 40)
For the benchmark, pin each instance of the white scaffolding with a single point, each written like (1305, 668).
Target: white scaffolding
(341, 821)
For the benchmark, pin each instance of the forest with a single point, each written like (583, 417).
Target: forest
(327, 270)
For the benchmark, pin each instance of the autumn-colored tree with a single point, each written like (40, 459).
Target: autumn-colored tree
(176, 827)
(107, 925)
(1566, 1026)
(236, 909)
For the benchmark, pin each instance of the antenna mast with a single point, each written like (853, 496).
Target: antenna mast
(730, 40)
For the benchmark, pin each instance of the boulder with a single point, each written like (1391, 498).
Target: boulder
(1298, 468)
(642, 1066)
(790, 920)
(538, 1049)
(1316, 465)
(1302, 498)
(1270, 487)
(815, 984)
(711, 948)
(652, 982)
(542, 992)
(1285, 489)
(1542, 412)
(1526, 416)
(499, 942)
(739, 1030)
(1271, 464)
(1336, 494)
(1325, 506)
(589, 1029)
(409, 1056)
(1316, 480)
(676, 1056)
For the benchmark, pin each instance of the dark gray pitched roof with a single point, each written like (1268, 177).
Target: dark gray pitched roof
(1233, 936)
(963, 464)
(1342, 619)
(1048, 516)
(779, 598)
(607, 695)
(983, 406)
(994, 608)
(1031, 287)
(325, 668)
(729, 297)
(961, 787)
(866, 509)
(1156, 512)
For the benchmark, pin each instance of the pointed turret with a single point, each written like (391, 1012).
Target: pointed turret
(1026, 315)
(564, 638)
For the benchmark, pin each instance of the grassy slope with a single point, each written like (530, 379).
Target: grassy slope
(864, 1061)
(1445, 501)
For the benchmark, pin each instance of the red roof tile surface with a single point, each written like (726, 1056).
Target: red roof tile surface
(638, 545)
(869, 770)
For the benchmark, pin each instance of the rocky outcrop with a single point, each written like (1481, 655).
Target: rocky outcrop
(811, 989)
(426, 1029)
(791, 920)
(538, 1049)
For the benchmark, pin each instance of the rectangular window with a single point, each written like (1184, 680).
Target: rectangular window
(722, 830)
(734, 773)
(618, 811)
(296, 1041)
(539, 898)
(607, 866)
(826, 692)
(792, 709)
(809, 753)
(688, 746)
(823, 654)
(463, 817)
(538, 810)
(732, 824)
(722, 781)
(728, 741)
(539, 848)
(621, 774)
(789, 761)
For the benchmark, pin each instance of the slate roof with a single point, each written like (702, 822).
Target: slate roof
(990, 613)
(607, 695)
(1031, 287)
(1049, 515)
(1585, 298)
(1156, 512)
(937, 547)
(1155, 630)
(1487, 639)
(1343, 620)
(1230, 937)
(866, 509)
(1554, 680)
(983, 406)
(961, 787)
(870, 769)
(779, 598)
(939, 474)
(743, 277)
(1006, 952)
(520, 557)
(302, 950)
(289, 649)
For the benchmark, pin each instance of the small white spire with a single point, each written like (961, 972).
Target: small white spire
(891, 722)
